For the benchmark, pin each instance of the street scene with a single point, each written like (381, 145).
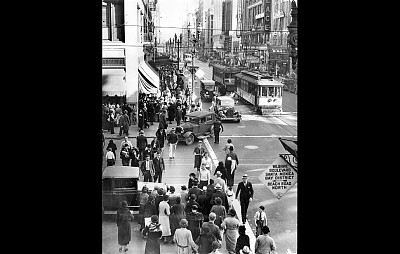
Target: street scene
(207, 75)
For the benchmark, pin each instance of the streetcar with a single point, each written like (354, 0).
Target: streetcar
(224, 77)
(187, 57)
(207, 89)
(260, 90)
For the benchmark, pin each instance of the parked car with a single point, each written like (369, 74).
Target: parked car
(225, 106)
(122, 183)
(200, 124)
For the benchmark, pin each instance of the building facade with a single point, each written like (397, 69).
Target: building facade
(255, 32)
(125, 49)
(279, 62)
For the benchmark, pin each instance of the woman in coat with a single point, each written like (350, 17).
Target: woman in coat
(153, 233)
(149, 210)
(231, 226)
(143, 197)
(195, 220)
(243, 239)
(164, 212)
(124, 155)
(219, 211)
(183, 239)
(205, 240)
(124, 226)
(161, 137)
(177, 214)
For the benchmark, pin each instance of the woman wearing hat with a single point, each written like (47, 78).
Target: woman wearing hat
(177, 214)
(219, 211)
(153, 231)
(149, 210)
(245, 250)
(264, 243)
(183, 238)
(231, 226)
(242, 241)
(124, 227)
(205, 240)
(143, 197)
(195, 220)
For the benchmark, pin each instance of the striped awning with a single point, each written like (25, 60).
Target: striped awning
(148, 79)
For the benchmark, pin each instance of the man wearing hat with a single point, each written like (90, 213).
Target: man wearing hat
(159, 167)
(141, 144)
(221, 194)
(217, 129)
(173, 141)
(246, 191)
(220, 181)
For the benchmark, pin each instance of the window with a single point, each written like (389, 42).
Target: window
(106, 22)
(125, 183)
(270, 91)
(107, 184)
(264, 91)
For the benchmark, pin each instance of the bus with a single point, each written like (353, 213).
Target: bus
(224, 77)
(260, 90)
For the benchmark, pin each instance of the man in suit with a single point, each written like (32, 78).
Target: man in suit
(195, 189)
(211, 225)
(159, 167)
(246, 196)
(217, 129)
(141, 144)
(147, 169)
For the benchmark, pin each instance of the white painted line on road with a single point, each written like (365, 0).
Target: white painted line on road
(211, 152)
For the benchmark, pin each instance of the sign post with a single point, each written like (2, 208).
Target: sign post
(279, 177)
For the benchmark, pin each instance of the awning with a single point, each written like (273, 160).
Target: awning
(148, 79)
(290, 145)
(113, 82)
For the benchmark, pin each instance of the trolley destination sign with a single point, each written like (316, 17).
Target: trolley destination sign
(279, 177)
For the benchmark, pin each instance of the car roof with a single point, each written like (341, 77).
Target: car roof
(121, 172)
(225, 98)
(200, 113)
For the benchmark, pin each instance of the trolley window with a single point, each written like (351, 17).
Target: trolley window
(263, 91)
(270, 91)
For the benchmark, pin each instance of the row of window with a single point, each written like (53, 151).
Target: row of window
(259, 90)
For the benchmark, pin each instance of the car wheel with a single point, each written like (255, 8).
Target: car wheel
(238, 120)
(190, 139)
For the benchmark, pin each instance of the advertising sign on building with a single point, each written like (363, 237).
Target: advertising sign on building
(279, 177)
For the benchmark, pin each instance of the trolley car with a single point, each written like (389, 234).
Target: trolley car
(224, 77)
(260, 90)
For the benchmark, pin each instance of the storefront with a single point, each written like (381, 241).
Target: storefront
(113, 85)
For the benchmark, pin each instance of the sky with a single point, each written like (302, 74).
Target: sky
(173, 14)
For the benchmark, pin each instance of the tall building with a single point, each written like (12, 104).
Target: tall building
(255, 31)
(127, 41)
(279, 52)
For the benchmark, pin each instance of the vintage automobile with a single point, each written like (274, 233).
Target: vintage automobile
(122, 183)
(200, 124)
(225, 108)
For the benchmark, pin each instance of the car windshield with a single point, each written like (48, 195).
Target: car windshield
(194, 120)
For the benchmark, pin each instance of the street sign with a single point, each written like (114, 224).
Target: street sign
(199, 73)
(279, 177)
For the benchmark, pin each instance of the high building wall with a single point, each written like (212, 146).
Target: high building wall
(122, 46)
